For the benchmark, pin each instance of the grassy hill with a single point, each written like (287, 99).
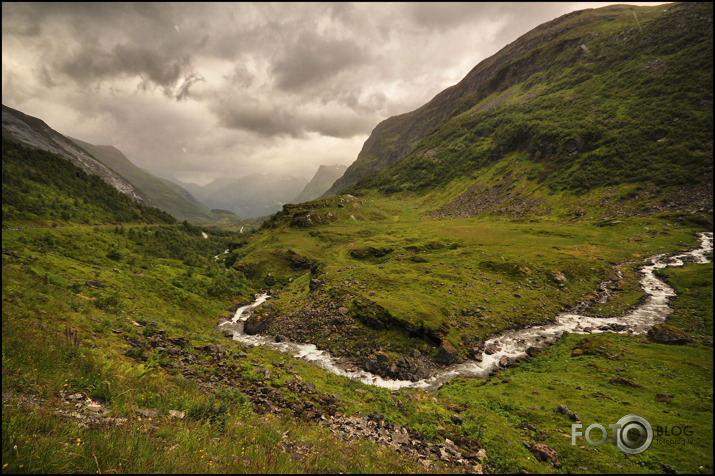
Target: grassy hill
(594, 98)
(41, 188)
(162, 193)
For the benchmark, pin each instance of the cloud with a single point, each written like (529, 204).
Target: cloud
(314, 59)
(243, 87)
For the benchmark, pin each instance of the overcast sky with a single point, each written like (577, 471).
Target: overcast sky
(202, 90)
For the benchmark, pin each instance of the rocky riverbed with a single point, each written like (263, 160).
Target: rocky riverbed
(418, 370)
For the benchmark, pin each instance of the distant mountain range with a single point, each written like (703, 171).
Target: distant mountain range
(253, 195)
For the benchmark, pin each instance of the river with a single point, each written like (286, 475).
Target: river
(513, 344)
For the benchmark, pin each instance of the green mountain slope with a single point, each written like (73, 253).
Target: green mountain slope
(41, 188)
(598, 97)
(36, 133)
(165, 195)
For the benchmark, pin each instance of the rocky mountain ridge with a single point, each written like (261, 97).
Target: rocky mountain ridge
(36, 133)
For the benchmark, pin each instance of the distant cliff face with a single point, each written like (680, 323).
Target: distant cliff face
(578, 92)
(321, 182)
(35, 133)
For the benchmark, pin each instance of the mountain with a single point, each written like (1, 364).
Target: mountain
(321, 182)
(594, 98)
(41, 188)
(35, 133)
(164, 194)
(254, 195)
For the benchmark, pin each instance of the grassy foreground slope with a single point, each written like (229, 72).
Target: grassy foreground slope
(117, 364)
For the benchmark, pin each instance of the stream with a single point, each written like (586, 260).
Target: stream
(513, 344)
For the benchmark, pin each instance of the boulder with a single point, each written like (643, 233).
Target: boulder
(667, 334)
(256, 323)
(314, 284)
(629, 382)
(532, 351)
(544, 453)
(446, 353)
(565, 410)
(490, 349)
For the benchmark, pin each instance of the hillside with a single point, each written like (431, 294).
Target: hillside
(167, 196)
(321, 182)
(594, 98)
(35, 133)
(42, 189)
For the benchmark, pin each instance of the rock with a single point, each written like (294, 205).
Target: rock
(446, 353)
(94, 284)
(490, 349)
(481, 455)
(667, 334)
(505, 361)
(559, 278)
(175, 414)
(663, 397)
(314, 284)
(668, 469)
(544, 453)
(148, 412)
(95, 408)
(256, 323)
(625, 381)
(532, 351)
(457, 419)
(565, 410)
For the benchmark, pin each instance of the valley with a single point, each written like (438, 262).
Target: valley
(523, 259)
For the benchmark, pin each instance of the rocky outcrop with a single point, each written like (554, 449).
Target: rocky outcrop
(257, 323)
(667, 334)
(310, 218)
(544, 453)
(446, 354)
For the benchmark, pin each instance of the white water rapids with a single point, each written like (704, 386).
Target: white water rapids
(511, 343)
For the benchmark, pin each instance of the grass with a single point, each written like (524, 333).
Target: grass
(44, 294)
(462, 275)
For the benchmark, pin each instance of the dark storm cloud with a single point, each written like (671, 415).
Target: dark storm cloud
(218, 87)
(445, 15)
(270, 120)
(313, 59)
